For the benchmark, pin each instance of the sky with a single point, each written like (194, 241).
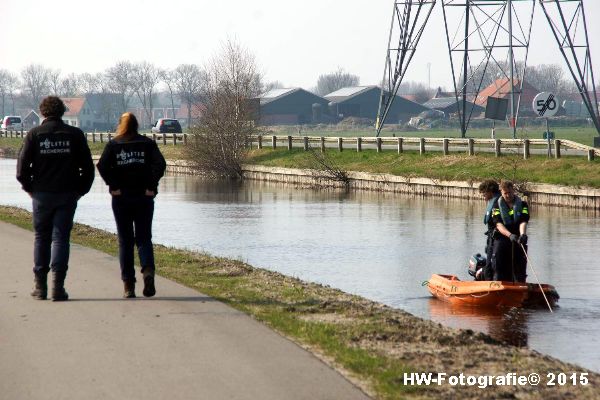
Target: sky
(293, 41)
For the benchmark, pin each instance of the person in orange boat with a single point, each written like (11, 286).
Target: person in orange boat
(510, 216)
(490, 190)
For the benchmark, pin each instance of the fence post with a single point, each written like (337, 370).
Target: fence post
(109, 137)
(101, 137)
(164, 138)
(340, 144)
(305, 139)
(289, 143)
(154, 136)
(526, 152)
(174, 139)
(591, 155)
(445, 146)
(400, 145)
(471, 146)
(557, 148)
(322, 144)
(378, 141)
(260, 142)
(274, 142)
(185, 138)
(497, 147)
(422, 146)
(358, 144)
(93, 137)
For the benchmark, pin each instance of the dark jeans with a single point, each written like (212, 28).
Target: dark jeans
(133, 215)
(52, 222)
(508, 260)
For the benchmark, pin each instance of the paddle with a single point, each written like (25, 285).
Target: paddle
(536, 277)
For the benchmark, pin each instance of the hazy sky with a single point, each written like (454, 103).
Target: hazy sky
(293, 41)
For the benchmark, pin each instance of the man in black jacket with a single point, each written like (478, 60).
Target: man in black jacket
(55, 168)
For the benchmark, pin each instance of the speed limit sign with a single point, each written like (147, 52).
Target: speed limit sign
(545, 104)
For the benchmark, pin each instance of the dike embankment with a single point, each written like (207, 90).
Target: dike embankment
(537, 193)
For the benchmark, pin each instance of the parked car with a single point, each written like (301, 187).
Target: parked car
(166, 125)
(11, 123)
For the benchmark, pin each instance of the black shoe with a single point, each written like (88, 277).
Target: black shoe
(59, 294)
(149, 289)
(40, 290)
(58, 286)
(128, 289)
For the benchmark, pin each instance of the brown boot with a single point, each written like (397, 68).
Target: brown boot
(58, 286)
(128, 289)
(40, 290)
(149, 289)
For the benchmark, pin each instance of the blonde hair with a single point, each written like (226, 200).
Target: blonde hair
(128, 125)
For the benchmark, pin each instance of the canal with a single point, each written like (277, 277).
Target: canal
(381, 246)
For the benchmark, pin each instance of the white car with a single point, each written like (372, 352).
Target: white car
(12, 123)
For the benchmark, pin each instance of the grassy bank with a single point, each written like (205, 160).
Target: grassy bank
(570, 171)
(370, 343)
(584, 135)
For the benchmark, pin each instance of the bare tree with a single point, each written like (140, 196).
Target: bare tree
(8, 85)
(55, 82)
(188, 82)
(70, 86)
(89, 83)
(120, 79)
(219, 142)
(550, 78)
(331, 82)
(145, 77)
(272, 85)
(36, 81)
(418, 90)
(170, 79)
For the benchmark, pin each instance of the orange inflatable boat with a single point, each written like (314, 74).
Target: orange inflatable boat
(490, 293)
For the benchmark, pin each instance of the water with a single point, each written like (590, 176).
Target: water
(380, 246)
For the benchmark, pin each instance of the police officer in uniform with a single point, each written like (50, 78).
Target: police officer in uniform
(510, 216)
(490, 191)
(131, 165)
(55, 168)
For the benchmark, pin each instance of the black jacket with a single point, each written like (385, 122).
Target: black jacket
(132, 165)
(55, 157)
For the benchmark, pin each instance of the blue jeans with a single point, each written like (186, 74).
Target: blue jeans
(133, 215)
(52, 222)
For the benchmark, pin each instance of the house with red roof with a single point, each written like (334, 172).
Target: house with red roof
(501, 88)
(78, 113)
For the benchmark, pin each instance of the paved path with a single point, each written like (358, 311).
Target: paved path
(178, 345)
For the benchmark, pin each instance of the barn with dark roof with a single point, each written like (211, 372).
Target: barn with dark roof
(363, 102)
(292, 106)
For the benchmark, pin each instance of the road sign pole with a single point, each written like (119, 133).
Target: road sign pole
(548, 139)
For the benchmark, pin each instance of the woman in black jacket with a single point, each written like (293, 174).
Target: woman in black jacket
(131, 165)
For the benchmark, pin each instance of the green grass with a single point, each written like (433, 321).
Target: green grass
(571, 171)
(12, 145)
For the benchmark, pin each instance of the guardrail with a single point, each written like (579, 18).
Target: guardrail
(554, 147)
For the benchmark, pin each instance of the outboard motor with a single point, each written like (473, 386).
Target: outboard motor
(476, 262)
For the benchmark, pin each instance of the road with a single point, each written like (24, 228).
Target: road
(180, 344)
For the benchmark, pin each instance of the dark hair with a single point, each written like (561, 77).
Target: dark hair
(507, 185)
(128, 125)
(489, 185)
(52, 106)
